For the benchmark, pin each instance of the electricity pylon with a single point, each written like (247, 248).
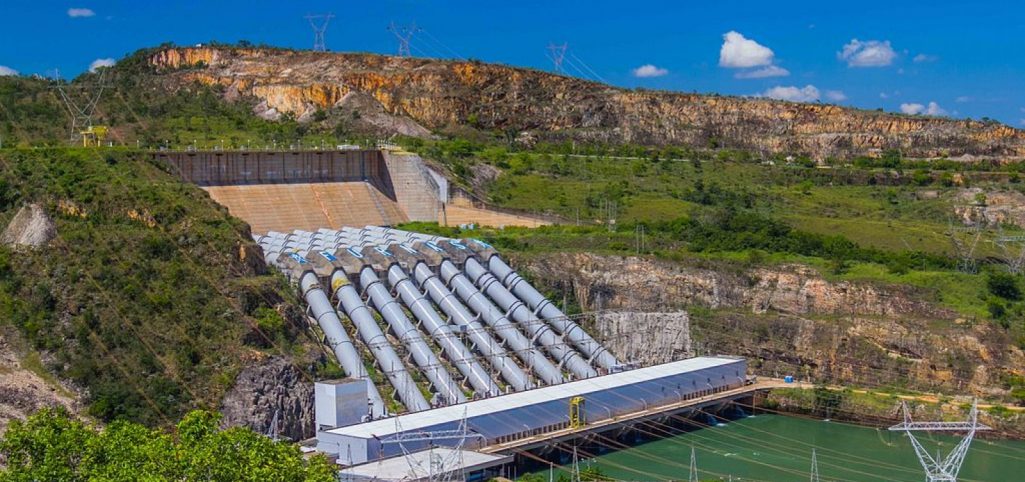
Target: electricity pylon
(557, 53)
(82, 109)
(437, 468)
(404, 33)
(940, 468)
(319, 25)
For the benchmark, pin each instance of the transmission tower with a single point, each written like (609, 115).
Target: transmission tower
(404, 33)
(1012, 248)
(965, 239)
(693, 467)
(440, 468)
(814, 466)
(82, 106)
(941, 468)
(319, 24)
(557, 53)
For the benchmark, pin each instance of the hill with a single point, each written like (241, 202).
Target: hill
(528, 105)
(149, 299)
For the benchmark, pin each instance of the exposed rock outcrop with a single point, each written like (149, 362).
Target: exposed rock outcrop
(790, 321)
(535, 105)
(31, 227)
(271, 385)
(23, 392)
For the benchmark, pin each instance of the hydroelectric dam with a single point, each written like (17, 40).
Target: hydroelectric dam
(472, 367)
(455, 365)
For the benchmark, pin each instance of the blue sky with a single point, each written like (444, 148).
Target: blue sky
(950, 58)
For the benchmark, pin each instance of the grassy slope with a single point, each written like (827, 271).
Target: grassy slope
(142, 299)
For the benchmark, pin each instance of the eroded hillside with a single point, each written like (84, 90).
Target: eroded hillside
(531, 104)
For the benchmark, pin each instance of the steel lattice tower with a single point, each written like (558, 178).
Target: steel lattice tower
(404, 33)
(939, 468)
(319, 25)
(557, 53)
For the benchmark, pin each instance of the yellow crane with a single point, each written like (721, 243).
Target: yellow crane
(576, 412)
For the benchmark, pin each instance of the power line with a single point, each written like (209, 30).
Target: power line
(557, 53)
(319, 23)
(404, 34)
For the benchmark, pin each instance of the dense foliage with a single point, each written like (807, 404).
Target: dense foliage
(51, 445)
(143, 298)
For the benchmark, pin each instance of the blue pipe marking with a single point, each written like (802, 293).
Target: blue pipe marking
(435, 247)
(481, 243)
(409, 249)
(328, 256)
(298, 258)
(457, 244)
(382, 250)
(355, 253)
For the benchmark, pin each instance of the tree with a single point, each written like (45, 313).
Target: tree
(1004, 285)
(51, 445)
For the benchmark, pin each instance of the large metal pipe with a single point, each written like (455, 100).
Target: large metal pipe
(337, 339)
(536, 328)
(428, 362)
(377, 342)
(539, 304)
(497, 320)
(483, 341)
(454, 349)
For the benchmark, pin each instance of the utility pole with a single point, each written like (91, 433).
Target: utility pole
(404, 33)
(557, 53)
(319, 24)
(938, 468)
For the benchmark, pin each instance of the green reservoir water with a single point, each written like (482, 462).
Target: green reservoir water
(778, 448)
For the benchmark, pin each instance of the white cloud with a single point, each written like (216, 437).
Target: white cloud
(870, 53)
(740, 52)
(884, 95)
(807, 93)
(914, 109)
(835, 96)
(962, 99)
(922, 58)
(80, 12)
(5, 71)
(762, 73)
(100, 63)
(649, 70)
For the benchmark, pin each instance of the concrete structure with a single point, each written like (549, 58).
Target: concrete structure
(523, 414)
(286, 190)
(340, 402)
(439, 463)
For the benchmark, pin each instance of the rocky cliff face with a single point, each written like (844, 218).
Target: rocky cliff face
(533, 104)
(268, 386)
(791, 319)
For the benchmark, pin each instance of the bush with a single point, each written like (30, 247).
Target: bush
(1004, 285)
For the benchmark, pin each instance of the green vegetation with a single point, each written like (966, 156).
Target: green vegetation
(51, 445)
(142, 298)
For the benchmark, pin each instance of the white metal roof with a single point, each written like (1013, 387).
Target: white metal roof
(419, 465)
(428, 418)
